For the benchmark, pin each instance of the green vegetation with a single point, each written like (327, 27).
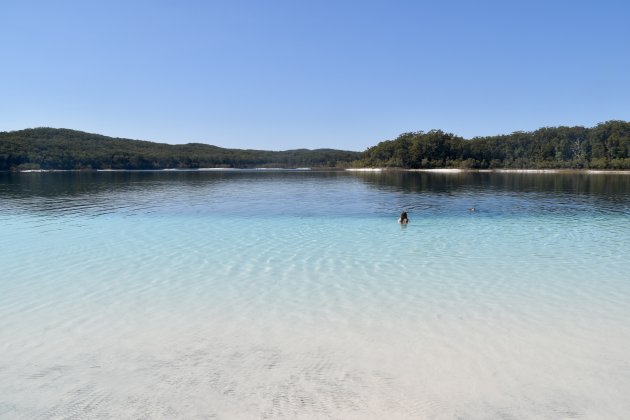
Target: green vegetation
(49, 148)
(606, 146)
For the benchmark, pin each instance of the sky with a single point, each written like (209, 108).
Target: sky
(280, 75)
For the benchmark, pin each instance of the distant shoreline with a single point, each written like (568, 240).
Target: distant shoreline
(372, 170)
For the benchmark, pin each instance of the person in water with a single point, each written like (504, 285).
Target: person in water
(403, 219)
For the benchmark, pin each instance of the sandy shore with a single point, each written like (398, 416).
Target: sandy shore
(516, 171)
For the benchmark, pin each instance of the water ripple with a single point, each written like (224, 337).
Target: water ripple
(298, 296)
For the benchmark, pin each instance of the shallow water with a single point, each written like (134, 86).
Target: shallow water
(245, 294)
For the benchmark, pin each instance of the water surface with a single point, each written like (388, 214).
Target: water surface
(245, 294)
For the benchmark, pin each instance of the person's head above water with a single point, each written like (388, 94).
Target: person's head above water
(403, 218)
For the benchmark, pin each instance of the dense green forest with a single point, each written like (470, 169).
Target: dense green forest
(50, 148)
(606, 146)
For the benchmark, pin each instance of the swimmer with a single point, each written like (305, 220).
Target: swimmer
(403, 219)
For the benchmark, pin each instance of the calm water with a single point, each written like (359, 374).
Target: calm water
(297, 295)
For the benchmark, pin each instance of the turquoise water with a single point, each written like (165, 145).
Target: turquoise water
(249, 294)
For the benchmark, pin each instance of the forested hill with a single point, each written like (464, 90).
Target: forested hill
(606, 146)
(50, 148)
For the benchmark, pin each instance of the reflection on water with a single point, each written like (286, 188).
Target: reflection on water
(77, 183)
(313, 193)
(245, 294)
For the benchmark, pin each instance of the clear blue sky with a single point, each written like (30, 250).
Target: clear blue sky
(307, 74)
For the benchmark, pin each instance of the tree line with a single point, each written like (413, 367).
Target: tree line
(50, 148)
(605, 146)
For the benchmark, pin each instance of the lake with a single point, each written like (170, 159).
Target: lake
(295, 294)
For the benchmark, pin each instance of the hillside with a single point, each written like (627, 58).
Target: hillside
(605, 146)
(50, 148)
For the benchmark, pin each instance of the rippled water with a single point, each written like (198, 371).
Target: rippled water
(244, 294)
